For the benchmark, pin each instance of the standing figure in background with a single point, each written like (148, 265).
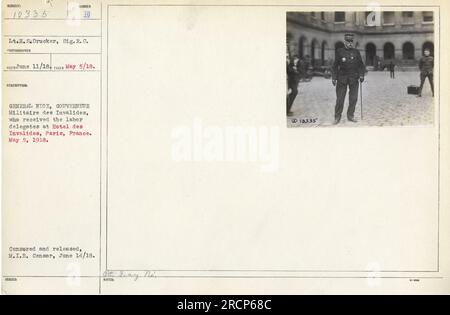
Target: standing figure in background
(392, 69)
(426, 66)
(288, 90)
(293, 76)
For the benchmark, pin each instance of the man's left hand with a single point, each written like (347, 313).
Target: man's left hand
(361, 79)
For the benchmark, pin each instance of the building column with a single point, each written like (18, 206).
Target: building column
(380, 51)
(358, 19)
(350, 19)
(418, 19)
(329, 17)
(307, 49)
(329, 54)
(418, 51)
(398, 19)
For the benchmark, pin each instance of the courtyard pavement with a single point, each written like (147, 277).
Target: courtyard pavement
(385, 102)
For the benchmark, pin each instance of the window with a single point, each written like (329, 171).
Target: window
(408, 17)
(428, 16)
(408, 51)
(389, 51)
(339, 17)
(313, 14)
(322, 16)
(388, 17)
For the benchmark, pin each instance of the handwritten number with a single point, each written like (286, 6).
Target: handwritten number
(29, 14)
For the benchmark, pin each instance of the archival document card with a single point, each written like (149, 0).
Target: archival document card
(225, 147)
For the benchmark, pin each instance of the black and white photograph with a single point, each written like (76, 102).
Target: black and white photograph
(366, 68)
(145, 150)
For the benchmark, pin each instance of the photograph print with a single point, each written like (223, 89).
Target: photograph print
(368, 68)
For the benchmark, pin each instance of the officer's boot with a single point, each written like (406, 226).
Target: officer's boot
(337, 120)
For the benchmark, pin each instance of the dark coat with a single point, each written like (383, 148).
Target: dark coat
(348, 64)
(426, 64)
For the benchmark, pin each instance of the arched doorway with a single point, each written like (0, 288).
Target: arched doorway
(302, 47)
(371, 52)
(430, 46)
(323, 53)
(314, 50)
(408, 51)
(389, 51)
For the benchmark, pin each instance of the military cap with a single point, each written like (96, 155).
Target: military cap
(349, 37)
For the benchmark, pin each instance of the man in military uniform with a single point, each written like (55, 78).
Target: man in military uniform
(348, 71)
(293, 76)
(426, 66)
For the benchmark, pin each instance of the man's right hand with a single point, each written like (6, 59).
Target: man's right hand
(334, 82)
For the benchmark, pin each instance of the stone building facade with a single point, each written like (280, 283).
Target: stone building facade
(400, 36)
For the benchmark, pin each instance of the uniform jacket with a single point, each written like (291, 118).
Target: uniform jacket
(293, 73)
(426, 64)
(348, 64)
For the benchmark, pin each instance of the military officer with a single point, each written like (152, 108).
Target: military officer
(348, 71)
(426, 66)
